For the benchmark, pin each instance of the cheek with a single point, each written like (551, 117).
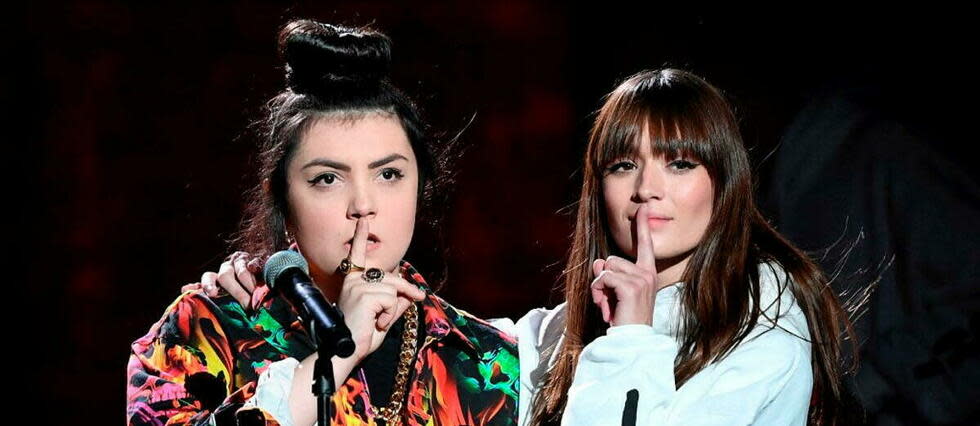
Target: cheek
(698, 202)
(616, 197)
(404, 216)
(315, 218)
(399, 210)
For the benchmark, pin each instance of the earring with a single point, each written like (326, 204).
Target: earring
(289, 238)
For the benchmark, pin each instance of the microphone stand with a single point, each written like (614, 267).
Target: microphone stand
(323, 381)
(324, 322)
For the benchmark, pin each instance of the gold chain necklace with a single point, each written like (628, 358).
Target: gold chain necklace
(392, 413)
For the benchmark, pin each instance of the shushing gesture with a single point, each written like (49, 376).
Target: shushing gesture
(370, 308)
(625, 291)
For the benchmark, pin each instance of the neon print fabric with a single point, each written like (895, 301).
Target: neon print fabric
(200, 363)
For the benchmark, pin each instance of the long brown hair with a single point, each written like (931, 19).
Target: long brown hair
(684, 114)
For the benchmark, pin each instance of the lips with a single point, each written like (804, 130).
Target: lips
(372, 240)
(655, 220)
(654, 217)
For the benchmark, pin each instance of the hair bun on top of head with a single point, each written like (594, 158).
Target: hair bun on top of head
(322, 56)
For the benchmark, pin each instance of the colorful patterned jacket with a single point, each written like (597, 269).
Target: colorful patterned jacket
(200, 363)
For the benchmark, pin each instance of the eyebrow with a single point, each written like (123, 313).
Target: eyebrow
(341, 166)
(386, 160)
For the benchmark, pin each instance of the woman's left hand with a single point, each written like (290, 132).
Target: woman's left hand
(625, 291)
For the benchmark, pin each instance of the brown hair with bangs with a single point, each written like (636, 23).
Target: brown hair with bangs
(686, 116)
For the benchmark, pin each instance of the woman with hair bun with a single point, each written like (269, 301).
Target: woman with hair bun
(346, 172)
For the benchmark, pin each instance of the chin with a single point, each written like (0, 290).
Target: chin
(382, 262)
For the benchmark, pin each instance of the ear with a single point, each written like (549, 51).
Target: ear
(288, 225)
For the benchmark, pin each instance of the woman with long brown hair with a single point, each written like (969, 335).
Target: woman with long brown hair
(682, 304)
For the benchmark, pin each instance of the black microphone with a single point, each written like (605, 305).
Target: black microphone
(288, 272)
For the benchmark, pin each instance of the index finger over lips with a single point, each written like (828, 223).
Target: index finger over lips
(358, 246)
(644, 242)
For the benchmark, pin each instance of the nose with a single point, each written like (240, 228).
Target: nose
(650, 184)
(362, 203)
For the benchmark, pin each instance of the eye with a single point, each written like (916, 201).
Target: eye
(620, 166)
(327, 179)
(682, 165)
(391, 174)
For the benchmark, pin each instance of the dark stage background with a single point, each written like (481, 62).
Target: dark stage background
(131, 154)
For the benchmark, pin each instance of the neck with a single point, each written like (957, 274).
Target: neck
(670, 270)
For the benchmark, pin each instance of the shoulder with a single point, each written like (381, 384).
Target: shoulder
(189, 306)
(539, 334)
(779, 344)
(469, 365)
(542, 327)
(777, 301)
(191, 314)
(186, 340)
(199, 303)
(476, 330)
(768, 345)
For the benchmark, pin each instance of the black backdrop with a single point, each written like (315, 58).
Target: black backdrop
(130, 151)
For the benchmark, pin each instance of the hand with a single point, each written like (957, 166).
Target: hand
(371, 308)
(236, 276)
(625, 291)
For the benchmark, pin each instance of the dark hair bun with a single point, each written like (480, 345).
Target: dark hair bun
(320, 57)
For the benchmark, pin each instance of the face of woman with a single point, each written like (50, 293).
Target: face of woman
(345, 170)
(678, 192)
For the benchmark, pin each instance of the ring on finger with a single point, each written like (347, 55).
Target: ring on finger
(373, 275)
(346, 266)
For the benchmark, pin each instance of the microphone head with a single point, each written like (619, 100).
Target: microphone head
(280, 262)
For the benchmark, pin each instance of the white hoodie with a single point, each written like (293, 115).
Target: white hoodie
(765, 380)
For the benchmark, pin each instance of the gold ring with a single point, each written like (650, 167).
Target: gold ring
(346, 266)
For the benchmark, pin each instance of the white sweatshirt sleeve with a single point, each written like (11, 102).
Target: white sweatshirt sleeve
(273, 388)
(539, 335)
(505, 325)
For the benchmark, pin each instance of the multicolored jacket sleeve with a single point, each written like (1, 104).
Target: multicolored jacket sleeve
(183, 371)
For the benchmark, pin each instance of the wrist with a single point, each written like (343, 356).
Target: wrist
(639, 316)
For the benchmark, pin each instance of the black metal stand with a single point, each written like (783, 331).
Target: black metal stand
(323, 382)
